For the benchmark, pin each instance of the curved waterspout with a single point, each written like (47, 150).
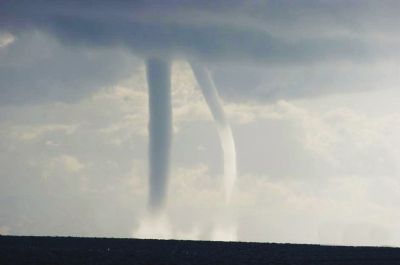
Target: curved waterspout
(212, 98)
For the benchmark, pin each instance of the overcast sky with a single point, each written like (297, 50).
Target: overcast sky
(310, 88)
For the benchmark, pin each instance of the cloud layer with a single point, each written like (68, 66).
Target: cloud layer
(257, 51)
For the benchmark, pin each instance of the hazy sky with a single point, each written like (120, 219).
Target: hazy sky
(310, 89)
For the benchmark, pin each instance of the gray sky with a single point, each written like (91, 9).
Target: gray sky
(311, 91)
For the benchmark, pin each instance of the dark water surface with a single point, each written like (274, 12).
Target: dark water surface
(73, 250)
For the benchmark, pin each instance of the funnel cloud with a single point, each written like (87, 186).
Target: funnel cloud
(224, 130)
(160, 129)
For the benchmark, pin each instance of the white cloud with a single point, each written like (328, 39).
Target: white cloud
(29, 133)
(68, 163)
(6, 39)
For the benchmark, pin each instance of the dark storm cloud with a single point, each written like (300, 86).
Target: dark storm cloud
(257, 37)
(173, 30)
